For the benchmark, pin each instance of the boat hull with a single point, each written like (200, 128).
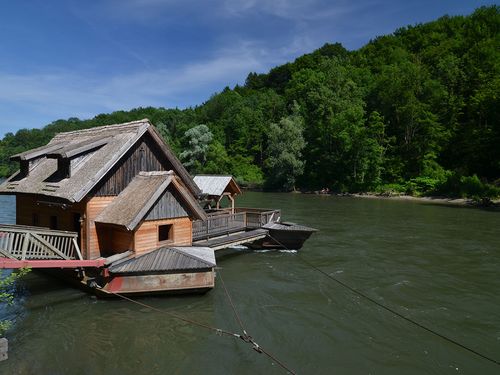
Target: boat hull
(288, 236)
(104, 284)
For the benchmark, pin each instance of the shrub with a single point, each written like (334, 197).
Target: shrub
(460, 186)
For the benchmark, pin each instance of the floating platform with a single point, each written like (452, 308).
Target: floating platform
(239, 238)
(113, 209)
(186, 269)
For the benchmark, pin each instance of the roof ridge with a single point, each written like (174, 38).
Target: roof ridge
(104, 127)
(214, 175)
(156, 173)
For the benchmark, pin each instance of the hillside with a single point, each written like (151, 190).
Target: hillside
(415, 111)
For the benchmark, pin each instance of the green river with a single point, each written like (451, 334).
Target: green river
(437, 265)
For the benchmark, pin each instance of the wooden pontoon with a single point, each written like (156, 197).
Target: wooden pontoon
(116, 205)
(254, 227)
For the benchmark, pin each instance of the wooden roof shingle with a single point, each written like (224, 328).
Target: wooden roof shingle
(130, 207)
(103, 147)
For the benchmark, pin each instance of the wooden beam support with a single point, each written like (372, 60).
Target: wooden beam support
(39, 263)
(49, 246)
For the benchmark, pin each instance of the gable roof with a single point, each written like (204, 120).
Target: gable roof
(130, 207)
(102, 147)
(216, 185)
(167, 259)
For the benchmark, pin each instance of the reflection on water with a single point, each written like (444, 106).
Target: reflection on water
(438, 265)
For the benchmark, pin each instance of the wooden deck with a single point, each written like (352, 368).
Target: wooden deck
(35, 247)
(224, 222)
(234, 239)
(219, 224)
(25, 243)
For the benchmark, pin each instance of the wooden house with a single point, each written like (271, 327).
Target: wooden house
(128, 199)
(116, 205)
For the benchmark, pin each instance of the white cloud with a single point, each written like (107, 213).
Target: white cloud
(62, 94)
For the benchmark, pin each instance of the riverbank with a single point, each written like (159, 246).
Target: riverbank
(462, 202)
(441, 200)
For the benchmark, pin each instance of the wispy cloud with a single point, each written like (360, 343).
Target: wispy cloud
(296, 10)
(63, 94)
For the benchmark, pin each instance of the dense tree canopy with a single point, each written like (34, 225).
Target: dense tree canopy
(417, 111)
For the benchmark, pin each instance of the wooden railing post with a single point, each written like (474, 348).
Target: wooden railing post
(27, 238)
(77, 248)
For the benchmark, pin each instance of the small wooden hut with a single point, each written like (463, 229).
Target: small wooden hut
(216, 187)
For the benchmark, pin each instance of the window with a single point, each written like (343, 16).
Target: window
(53, 222)
(165, 232)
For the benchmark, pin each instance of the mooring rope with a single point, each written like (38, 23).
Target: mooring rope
(357, 292)
(218, 331)
(246, 337)
(237, 316)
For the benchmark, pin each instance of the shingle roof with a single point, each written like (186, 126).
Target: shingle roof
(216, 185)
(134, 202)
(168, 259)
(103, 146)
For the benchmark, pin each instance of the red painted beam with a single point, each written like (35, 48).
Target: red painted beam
(42, 263)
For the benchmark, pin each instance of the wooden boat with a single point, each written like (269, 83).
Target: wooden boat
(284, 235)
(112, 209)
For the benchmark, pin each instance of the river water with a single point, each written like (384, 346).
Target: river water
(437, 265)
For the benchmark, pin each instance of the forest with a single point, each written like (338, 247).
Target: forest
(414, 112)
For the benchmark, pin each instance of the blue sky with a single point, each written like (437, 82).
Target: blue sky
(61, 59)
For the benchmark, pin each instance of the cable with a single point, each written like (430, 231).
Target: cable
(245, 337)
(355, 291)
(237, 316)
(248, 338)
(216, 330)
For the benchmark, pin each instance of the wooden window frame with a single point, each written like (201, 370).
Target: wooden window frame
(170, 236)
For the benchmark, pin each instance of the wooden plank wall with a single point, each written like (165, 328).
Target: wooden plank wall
(169, 206)
(146, 236)
(94, 207)
(113, 240)
(144, 156)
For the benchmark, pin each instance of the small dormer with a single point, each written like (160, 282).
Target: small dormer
(70, 156)
(29, 158)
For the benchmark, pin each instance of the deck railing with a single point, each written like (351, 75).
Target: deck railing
(218, 224)
(25, 242)
(222, 221)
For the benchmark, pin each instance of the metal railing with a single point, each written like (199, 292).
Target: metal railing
(223, 222)
(24, 242)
